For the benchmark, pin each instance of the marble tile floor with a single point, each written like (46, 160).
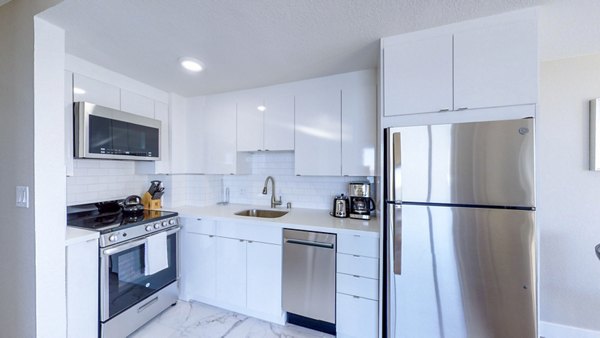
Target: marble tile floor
(198, 320)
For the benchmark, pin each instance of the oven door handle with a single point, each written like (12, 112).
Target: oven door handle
(133, 244)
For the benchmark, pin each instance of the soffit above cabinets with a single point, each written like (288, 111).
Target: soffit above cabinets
(247, 44)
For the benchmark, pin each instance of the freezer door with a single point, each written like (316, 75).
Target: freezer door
(483, 163)
(466, 272)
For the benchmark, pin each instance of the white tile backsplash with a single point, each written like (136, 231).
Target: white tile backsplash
(99, 180)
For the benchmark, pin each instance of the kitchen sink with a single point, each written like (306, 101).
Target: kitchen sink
(261, 213)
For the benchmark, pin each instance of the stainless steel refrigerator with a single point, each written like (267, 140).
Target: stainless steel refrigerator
(460, 230)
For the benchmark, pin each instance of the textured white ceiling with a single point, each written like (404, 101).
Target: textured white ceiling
(248, 43)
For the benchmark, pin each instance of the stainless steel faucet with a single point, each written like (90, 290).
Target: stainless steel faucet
(274, 202)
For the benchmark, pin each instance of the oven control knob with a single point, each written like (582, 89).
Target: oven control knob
(172, 221)
(113, 238)
(157, 225)
(148, 227)
(165, 223)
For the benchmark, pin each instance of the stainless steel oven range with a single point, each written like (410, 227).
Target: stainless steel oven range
(139, 263)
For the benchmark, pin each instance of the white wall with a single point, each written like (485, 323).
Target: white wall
(568, 197)
(18, 225)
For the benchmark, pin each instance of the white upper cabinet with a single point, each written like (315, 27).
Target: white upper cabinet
(218, 125)
(94, 91)
(359, 130)
(418, 75)
(318, 131)
(250, 123)
(279, 122)
(487, 63)
(270, 129)
(496, 66)
(137, 104)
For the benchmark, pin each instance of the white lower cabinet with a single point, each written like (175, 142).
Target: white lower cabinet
(82, 289)
(356, 316)
(264, 277)
(357, 284)
(231, 271)
(232, 265)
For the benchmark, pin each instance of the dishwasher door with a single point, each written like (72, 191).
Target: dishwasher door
(309, 274)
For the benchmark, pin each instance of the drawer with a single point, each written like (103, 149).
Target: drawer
(198, 225)
(356, 244)
(358, 286)
(356, 317)
(249, 231)
(356, 265)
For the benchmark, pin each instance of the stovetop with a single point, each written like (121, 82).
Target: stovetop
(109, 221)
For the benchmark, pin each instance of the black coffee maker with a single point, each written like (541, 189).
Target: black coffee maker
(361, 203)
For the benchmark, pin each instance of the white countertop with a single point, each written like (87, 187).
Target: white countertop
(77, 235)
(306, 219)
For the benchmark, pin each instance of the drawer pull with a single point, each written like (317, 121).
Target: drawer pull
(211, 236)
(357, 297)
(198, 219)
(356, 255)
(356, 276)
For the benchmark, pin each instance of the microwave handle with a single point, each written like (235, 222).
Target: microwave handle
(133, 244)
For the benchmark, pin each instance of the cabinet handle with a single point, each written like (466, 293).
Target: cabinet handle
(298, 175)
(231, 173)
(444, 110)
(211, 236)
(356, 276)
(357, 297)
(250, 241)
(259, 150)
(266, 149)
(462, 108)
(198, 219)
(356, 256)
(241, 240)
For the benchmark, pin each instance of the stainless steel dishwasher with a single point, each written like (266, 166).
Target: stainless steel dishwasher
(309, 279)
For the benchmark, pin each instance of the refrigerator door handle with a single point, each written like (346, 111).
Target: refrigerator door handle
(393, 267)
(392, 164)
(396, 237)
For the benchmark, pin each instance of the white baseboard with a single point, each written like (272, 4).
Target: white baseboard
(553, 330)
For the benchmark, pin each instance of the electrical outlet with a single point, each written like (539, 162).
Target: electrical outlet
(22, 196)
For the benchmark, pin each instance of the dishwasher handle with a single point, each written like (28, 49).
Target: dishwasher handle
(310, 243)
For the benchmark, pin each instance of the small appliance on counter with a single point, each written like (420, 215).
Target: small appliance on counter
(152, 198)
(341, 207)
(361, 203)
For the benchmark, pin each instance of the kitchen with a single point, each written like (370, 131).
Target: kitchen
(558, 307)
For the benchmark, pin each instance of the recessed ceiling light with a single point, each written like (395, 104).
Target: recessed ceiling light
(191, 64)
(79, 91)
(261, 108)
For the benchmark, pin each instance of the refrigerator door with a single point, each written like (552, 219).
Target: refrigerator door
(483, 163)
(465, 272)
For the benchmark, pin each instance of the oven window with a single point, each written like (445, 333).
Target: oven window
(127, 282)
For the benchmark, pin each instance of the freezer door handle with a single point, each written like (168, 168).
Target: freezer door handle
(392, 164)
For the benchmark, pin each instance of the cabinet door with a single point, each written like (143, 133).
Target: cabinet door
(356, 317)
(418, 76)
(279, 122)
(161, 113)
(359, 130)
(318, 131)
(137, 104)
(82, 289)
(219, 136)
(496, 66)
(249, 125)
(264, 278)
(90, 90)
(231, 271)
(198, 263)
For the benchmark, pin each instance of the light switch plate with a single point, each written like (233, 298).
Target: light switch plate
(22, 196)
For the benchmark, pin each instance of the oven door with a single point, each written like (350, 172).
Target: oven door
(122, 280)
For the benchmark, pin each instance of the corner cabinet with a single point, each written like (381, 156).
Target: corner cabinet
(464, 66)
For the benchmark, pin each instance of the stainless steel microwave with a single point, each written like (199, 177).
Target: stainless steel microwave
(105, 133)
